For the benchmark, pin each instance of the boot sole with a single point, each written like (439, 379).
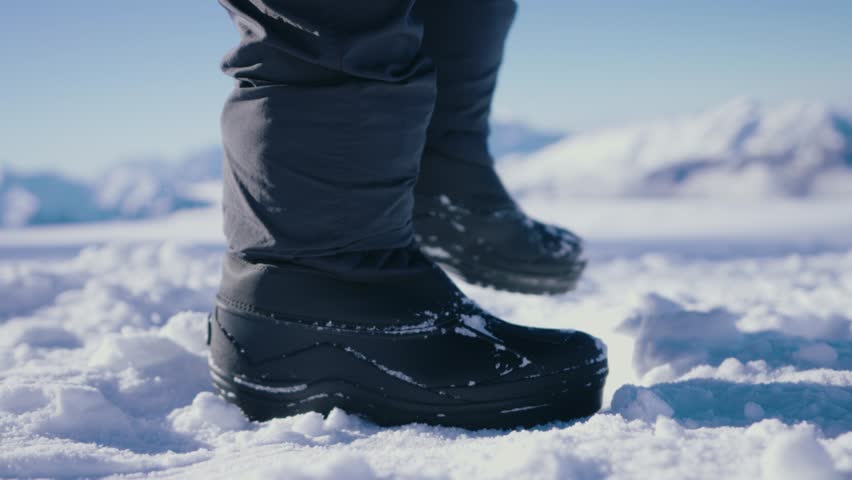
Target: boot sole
(262, 401)
(305, 367)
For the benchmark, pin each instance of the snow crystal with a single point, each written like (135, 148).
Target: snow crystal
(436, 252)
(265, 388)
(394, 373)
(476, 322)
(468, 333)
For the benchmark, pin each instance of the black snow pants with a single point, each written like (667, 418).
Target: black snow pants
(337, 106)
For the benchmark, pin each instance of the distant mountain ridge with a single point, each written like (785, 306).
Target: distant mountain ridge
(741, 148)
(141, 189)
(514, 137)
(508, 137)
(127, 191)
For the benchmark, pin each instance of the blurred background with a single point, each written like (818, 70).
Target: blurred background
(109, 110)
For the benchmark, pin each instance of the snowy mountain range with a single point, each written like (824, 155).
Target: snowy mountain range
(142, 189)
(512, 137)
(741, 148)
(127, 191)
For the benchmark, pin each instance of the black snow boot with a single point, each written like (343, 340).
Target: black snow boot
(466, 221)
(404, 347)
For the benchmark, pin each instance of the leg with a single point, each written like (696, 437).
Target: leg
(325, 302)
(465, 40)
(464, 217)
(324, 129)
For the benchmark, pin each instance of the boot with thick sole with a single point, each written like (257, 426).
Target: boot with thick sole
(405, 347)
(466, 221)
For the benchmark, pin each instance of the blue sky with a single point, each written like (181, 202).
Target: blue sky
(91, 82)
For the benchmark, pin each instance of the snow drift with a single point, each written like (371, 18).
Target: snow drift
(741, 148)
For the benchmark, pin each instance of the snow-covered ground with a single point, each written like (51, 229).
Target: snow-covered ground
(728, 321)
(731, 357)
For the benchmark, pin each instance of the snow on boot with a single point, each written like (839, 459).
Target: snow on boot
(407, 347)
(467, 222)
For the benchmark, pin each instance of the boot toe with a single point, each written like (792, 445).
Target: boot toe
(504, 249)
(551, 350)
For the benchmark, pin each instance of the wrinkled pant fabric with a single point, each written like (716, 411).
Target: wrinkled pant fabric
(337, 107)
